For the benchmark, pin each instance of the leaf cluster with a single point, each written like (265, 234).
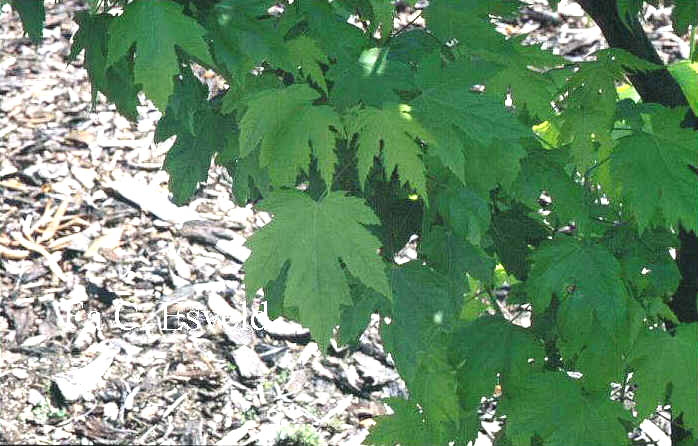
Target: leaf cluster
(514, 168)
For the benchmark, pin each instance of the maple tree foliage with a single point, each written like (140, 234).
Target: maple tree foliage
(388, 137)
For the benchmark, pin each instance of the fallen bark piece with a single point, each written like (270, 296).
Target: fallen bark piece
(32, 246)
(234, 436)
(153, 201)
(223, 239)
(209, 232)
(248, 363)
(234, 250)
(77, 382)
(282, 328)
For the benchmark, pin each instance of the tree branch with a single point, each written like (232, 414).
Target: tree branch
(656, 86)
(661, 88)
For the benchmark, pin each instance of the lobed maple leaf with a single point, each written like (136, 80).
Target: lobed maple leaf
(116, 82)
(664, 368)
(586, 278)
(590, 103)
(497, 352)
(417, 338)
(465, 211)
(33, 15)
(472, 134)
(307, 54)
(469, 22)
(156, 27)
(406, 426)
(584, 417)
(201, 132)
(650, 170)
(453, 256)
(288, 128)
(513, 233)
(373, 78)
(389, 133)
(685, 13)
(686, 74)
(312, 237)
(544, 170)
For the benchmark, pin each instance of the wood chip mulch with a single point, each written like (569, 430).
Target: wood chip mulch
(87, 231)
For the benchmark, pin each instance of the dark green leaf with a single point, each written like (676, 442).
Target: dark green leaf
(32, 14)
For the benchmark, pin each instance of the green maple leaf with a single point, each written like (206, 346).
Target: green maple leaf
(190, 96)
(490, 351)
(400, 217)
(585, 418)
(92, 37)
(121, 88)
(189, 159)
(498, 164)
(686, 74)
(267, 110)
(187, 162)
(604, 353)
(355, 317)
(32, 14)
(469, 22)
(287, 152)
(435, 388)
(513, 231)
(156, 27)
(287, 124)
(306, 53)
(390, 133)
(244, 36)
(589, 108)
(587, 121)
(377, 12)
(468, 126)
(245, 86)
(421, 309)
(406, 426)
(417, 338)
(250, 181)
(200, 131)
(464, 210)
(382, 16)
(454, 256)
(312, 237)
(543, 170)
(371, 79)
(225, 48)
(653, 351)
(645, 260)
(650, 170)
(685, 13)
(323, 22)
(115, 82)
(528, 87)
(412, 46)
(587, 279)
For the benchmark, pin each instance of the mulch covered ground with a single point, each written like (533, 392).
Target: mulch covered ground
(86, 228)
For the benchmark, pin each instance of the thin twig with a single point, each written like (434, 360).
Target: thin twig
(55, 222)
(33, 246)
(174, 405)
(396, 33)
